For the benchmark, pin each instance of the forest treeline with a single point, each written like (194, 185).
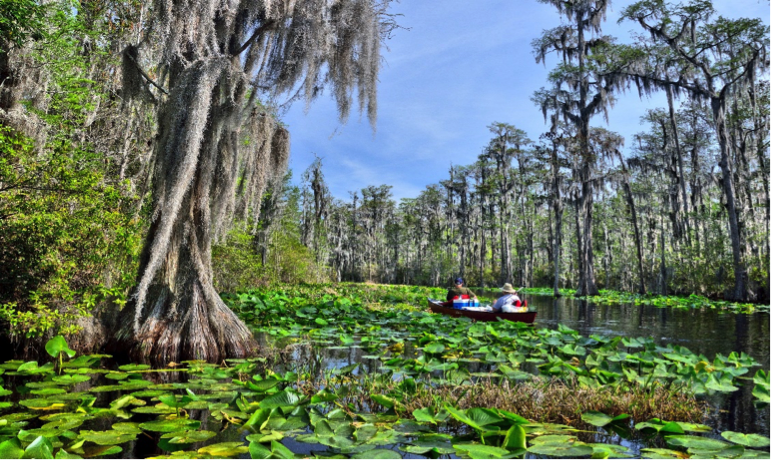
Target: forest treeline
(143, 163)
(681, 208)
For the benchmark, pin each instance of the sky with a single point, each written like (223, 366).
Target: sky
(457, 67)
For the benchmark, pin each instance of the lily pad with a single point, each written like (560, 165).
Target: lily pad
(698, 442)
(134, 367)
(377, 453)
(108, 438)
(482, 451)
(187, 437)
(573, 450)
(224, 449)
(749, 440)
(599, 419)
(166, 426)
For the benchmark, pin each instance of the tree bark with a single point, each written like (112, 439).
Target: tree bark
(734, 218)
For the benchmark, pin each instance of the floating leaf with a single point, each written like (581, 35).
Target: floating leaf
(697, 442)
(561, 450)
(377, 454)
(127, 427)
(280, 451)
(187, 437)
(134, 367)
(96, 451)
(482, 451)
(224, 449)
(165, 426)
(599, 419)
(749, 440)
(434, 348)
(265, 437)
(108, 438)
(608, 451)
(662, 453)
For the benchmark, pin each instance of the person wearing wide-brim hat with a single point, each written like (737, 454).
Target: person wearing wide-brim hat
(508, 288)
(509, 302)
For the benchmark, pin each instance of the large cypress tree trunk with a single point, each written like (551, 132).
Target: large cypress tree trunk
(175, 313)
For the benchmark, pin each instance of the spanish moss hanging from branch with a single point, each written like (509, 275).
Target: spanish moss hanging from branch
(218, 146)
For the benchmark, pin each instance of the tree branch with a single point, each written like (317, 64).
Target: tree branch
(257, 32)
(147, 77)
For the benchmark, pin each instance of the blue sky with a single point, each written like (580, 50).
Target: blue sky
(463, 65)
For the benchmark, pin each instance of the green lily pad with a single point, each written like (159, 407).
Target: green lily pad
(434, 348)
(188, 437)
(48, 391)
(97, 450)
(166, 426)
(127, 427)
(608, 450)
(377, 453)
(265, 437)
(43, 404)
(698, 442)
(224, 449)
(734, 451)
(573, 450)
(257, 450)
(749, 440)
(134, 367)
(599, 419)
(157, 409)
(482, 451)
(108, 438)
(70, 379)
(662, 453)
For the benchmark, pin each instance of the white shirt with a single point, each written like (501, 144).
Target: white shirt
(505, 300)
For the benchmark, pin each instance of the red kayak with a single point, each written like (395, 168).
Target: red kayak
(440, 307)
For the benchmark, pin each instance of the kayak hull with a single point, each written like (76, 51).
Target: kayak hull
(437, 307)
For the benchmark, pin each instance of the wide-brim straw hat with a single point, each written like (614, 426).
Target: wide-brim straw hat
(508, 288)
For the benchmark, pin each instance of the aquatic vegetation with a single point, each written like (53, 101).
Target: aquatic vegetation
(511, 350)
(428, 385)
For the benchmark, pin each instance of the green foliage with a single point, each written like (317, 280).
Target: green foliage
(69, 230)
(19, 19)
(61, 228)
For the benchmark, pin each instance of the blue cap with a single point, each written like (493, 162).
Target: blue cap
(459, 280)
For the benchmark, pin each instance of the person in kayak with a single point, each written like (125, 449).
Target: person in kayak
(460, 296)
(509, 302)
